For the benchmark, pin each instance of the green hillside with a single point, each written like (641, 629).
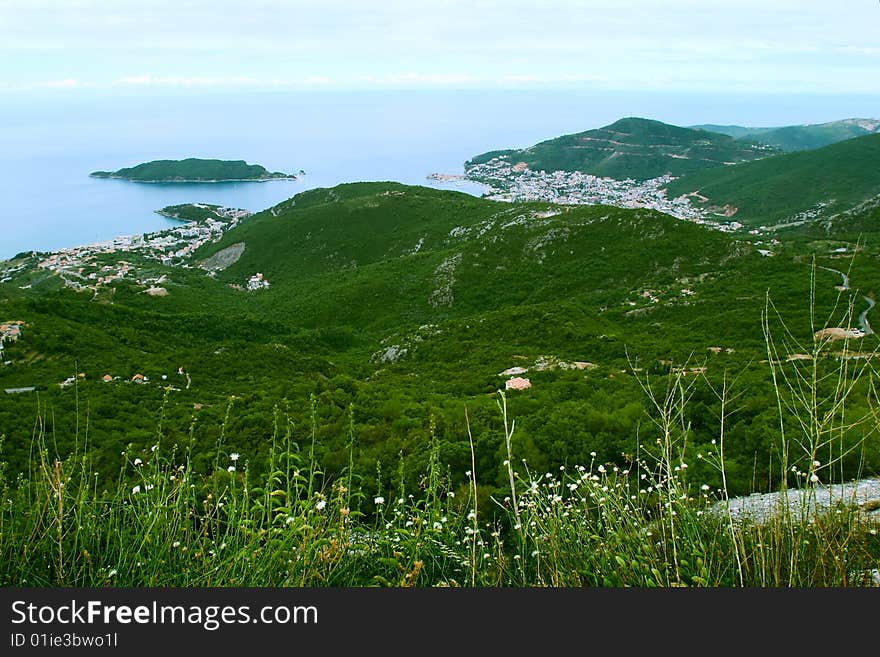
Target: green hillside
(735, 131)
(791, 188)
(195, 212)
(192, 170)
(392, 254)
(391, 309)
(801, 137)
(631, 148)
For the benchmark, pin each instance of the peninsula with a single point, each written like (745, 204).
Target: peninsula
(195, 170)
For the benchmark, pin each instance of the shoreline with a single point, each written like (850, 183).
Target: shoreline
(439, 179)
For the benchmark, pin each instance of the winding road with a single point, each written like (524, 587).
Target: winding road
(863, 317)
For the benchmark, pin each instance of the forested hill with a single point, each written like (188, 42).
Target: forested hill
(193, 170)
(376, 313)
(792, 187)
(632, 148)
(800, 137)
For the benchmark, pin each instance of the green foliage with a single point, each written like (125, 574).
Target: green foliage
(405, 304)
(191, 212)
(793, 187)
(632, 148)
(800, 137)
(192, 170)
(175, 520)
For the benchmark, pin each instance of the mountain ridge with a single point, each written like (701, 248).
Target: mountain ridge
(800, 137)
(791, 187)
(631, 147)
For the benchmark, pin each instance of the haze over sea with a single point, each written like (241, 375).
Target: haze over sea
(50, 142)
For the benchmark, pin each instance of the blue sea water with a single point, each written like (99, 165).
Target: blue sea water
(49, 144)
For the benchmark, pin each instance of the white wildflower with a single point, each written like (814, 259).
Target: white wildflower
(379, 500)
(136, 490)
(234, 456)
(320, 504)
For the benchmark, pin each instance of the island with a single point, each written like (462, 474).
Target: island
(193, 170)
(203, 212)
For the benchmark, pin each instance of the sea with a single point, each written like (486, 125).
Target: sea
(51, 141)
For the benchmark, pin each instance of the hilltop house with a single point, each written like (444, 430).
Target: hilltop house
(517, 383)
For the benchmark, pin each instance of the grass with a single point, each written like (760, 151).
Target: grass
(179, 515)
(596, 524)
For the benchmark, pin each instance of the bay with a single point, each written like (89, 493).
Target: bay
(50, 142)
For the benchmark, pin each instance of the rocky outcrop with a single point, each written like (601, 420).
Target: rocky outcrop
(223, 258)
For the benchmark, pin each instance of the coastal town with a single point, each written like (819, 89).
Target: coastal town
(100, 264)
(516, 182)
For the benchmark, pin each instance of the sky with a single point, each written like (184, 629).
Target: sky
(798, 46)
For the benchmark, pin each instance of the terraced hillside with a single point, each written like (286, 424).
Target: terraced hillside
(632, 148)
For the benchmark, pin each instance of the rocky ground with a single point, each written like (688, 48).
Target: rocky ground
(819, 498)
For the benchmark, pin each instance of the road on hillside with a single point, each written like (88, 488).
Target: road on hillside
(863, 317)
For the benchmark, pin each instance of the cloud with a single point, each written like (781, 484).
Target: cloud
(562, 78)
(66, 83)
(428, 78)
(187, 81)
